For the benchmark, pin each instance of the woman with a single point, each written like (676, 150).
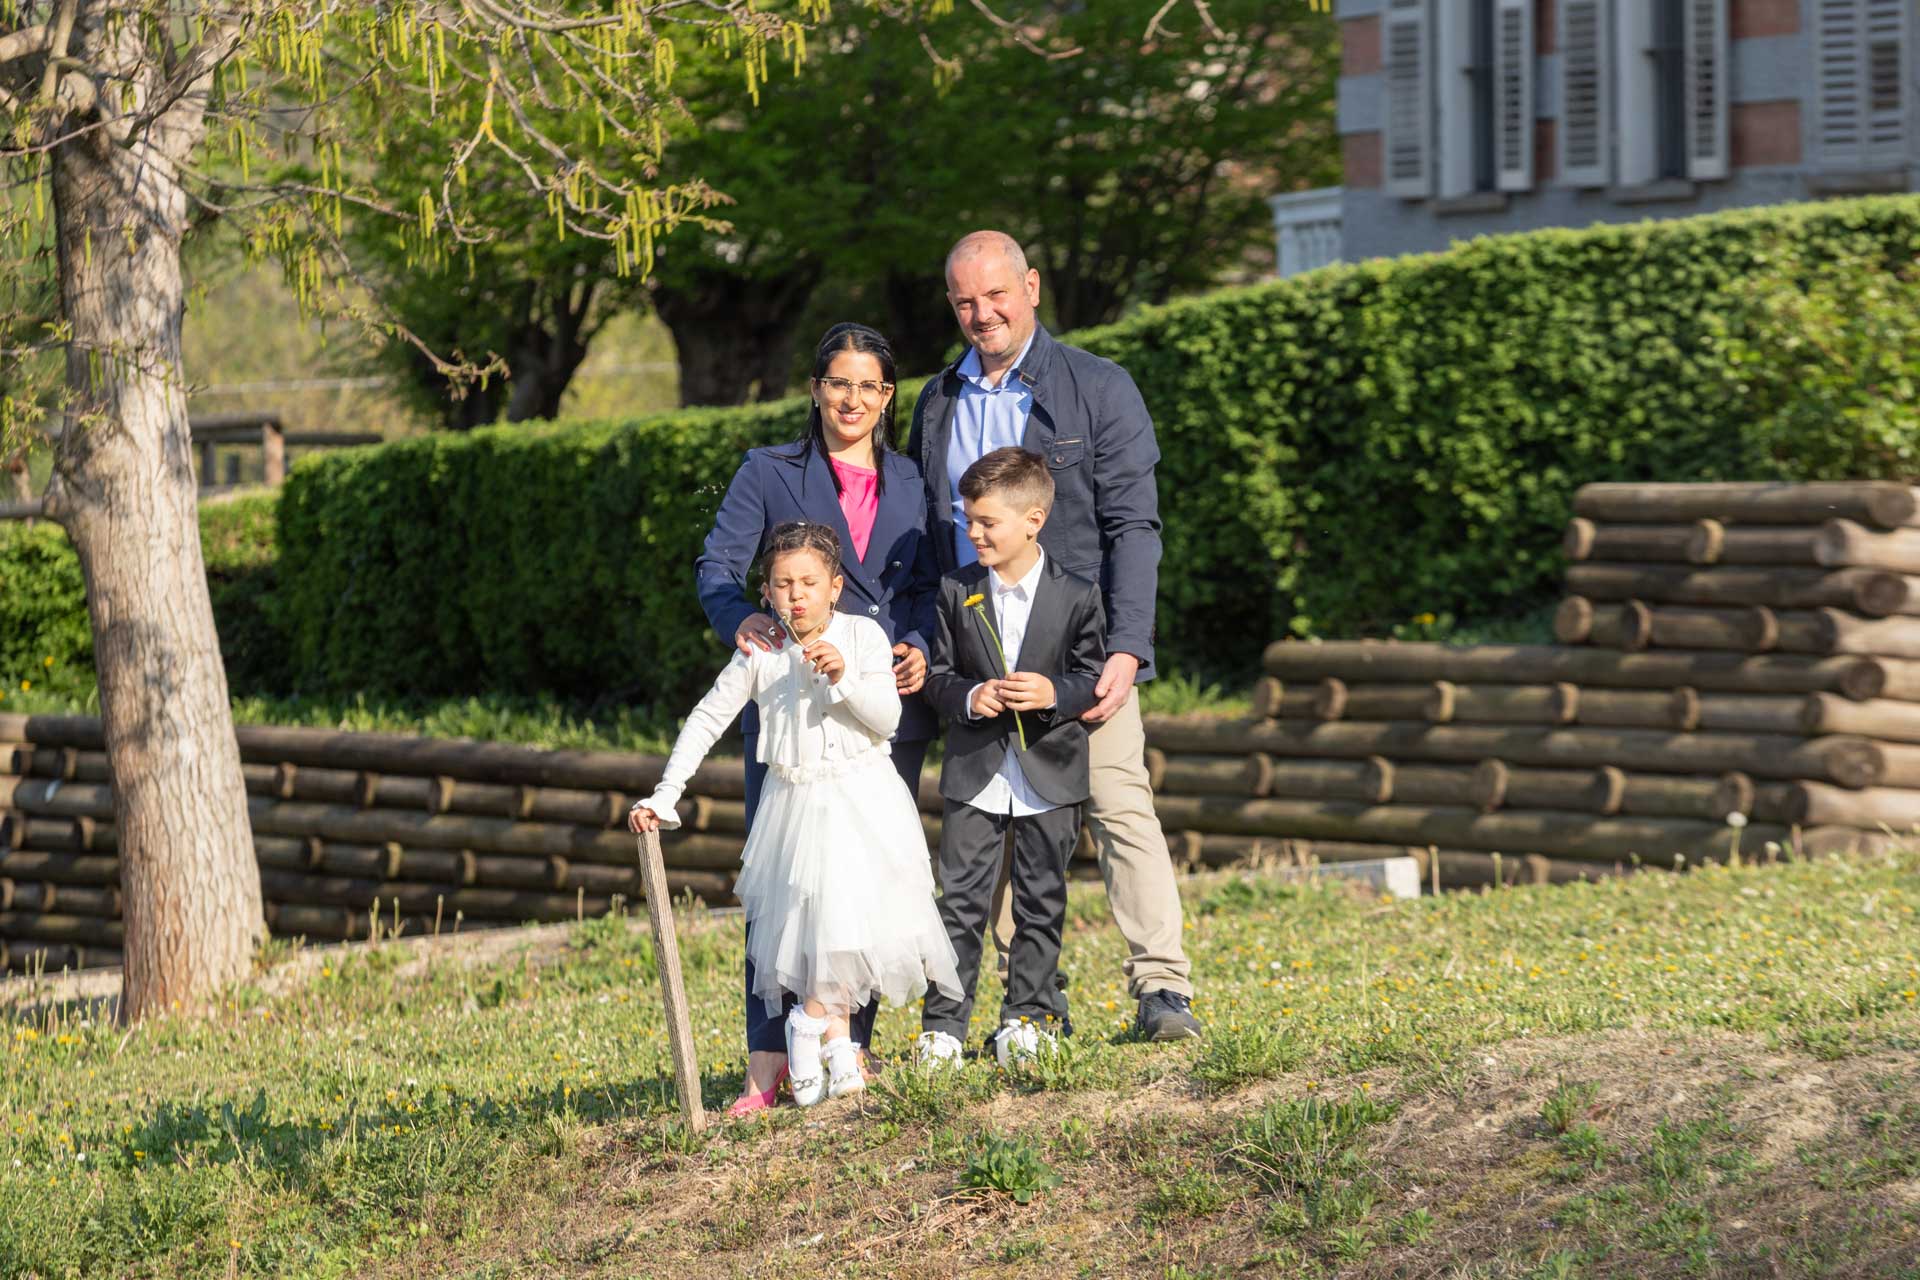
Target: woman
(843, 473)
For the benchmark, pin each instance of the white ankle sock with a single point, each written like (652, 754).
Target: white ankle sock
(843, 1058)
(803, 1051)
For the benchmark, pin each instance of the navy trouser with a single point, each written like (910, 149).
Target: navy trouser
(768, 1035)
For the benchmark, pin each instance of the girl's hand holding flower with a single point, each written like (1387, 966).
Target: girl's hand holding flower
(826, 660)
(641, 819)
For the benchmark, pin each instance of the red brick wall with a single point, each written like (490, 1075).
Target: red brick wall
(1747, 18)
(1765, 133)
(1359, 46)
(1545, 152)
(1360, 159)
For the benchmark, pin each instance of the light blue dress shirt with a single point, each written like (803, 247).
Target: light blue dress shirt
(985, 418)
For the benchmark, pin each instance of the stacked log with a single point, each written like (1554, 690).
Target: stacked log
(1738, 674)
(1749, 650)
(364, 834)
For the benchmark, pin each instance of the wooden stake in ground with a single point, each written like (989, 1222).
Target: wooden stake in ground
(666, 950)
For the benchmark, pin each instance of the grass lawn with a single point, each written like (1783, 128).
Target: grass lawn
(532, 721)
(1715, 1074)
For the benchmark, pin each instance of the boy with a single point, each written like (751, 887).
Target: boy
(1051, 627)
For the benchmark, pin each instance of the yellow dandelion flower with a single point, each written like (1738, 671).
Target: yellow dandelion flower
(973, 600)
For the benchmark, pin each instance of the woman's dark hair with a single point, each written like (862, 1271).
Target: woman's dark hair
(847, 336)
(801, 535)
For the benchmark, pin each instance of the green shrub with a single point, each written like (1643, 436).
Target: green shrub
(1373, 449)
(46, 638)
(1343, 452)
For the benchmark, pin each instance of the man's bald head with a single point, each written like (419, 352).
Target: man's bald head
(976, 243)
(993, 293)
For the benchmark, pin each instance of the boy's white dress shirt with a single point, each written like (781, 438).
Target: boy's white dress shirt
(1009, 792)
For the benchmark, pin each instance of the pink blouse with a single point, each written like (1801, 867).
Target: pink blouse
(859, 502)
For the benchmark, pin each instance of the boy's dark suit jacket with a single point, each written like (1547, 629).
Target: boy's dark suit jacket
(1065, 641)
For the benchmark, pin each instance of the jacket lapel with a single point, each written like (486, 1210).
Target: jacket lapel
(1041, 650)
(811, 483)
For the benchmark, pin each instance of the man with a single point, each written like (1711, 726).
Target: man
(1016, 385)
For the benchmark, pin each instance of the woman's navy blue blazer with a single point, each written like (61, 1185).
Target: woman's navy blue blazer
(895, 583)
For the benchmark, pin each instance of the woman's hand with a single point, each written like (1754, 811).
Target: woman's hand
(758, 632)
(909, 669)
(826, 660)
(641, 820)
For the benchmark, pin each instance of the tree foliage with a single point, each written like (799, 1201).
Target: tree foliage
(1131, 156)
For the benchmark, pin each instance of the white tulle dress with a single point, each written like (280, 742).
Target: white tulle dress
(835, 877)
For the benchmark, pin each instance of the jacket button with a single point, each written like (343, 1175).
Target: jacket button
(873, 608)
(896, 564)
(1059, 458)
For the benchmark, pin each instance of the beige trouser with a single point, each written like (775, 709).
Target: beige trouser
(1141, 889)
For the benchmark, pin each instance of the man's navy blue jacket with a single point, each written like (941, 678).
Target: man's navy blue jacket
(1091, 425)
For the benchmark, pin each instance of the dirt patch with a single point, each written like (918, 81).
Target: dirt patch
(1710, 1155)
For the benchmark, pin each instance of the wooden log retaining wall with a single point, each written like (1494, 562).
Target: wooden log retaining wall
(1727, 649)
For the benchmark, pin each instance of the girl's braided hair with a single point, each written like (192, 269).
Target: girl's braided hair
(802, 535)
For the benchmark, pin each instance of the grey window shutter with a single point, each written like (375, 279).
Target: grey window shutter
(1707, 99)
(1861, 101)
(1586, 127)
(1513, 94)
(1409, 132)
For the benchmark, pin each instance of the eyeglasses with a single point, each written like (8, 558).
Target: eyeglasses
(841, 389)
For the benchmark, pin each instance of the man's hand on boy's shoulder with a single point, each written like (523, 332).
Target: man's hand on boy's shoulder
(1027, 691)
(1116, 682)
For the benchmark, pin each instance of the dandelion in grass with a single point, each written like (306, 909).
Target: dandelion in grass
(978, 603)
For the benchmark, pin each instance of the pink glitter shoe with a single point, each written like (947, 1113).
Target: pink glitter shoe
(752, 1103)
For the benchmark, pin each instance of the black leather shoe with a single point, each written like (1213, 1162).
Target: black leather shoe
(1166, 1015)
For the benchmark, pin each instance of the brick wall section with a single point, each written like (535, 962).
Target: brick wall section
(1360, 46)
(1545, 27)
(1545, 152)
(1748, 18)
(1360, 160)
(1765, 133)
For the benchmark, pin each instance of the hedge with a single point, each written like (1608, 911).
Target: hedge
(45, 637)
(1343, 452)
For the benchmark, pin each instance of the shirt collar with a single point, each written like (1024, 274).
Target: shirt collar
(1024, 587)
(969, 368)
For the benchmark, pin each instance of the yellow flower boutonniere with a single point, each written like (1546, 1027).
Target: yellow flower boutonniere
(978, 603)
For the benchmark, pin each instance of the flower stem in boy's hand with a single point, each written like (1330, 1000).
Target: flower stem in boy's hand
(978, 603)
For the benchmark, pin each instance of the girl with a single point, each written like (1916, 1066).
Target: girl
(835, 876)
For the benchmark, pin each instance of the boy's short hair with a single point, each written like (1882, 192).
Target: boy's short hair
(1019, 477)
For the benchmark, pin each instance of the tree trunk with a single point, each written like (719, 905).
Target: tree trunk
(124, 488)
(550, 350)
(735, 335)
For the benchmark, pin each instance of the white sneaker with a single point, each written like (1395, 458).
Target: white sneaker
(938, 1048)
(843, 1068)
(811, 1087)
(1022, 1042)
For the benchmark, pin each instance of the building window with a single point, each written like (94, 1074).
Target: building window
(1861, 68)
(1672, 56)
(1484, 49)
(1586, 124)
